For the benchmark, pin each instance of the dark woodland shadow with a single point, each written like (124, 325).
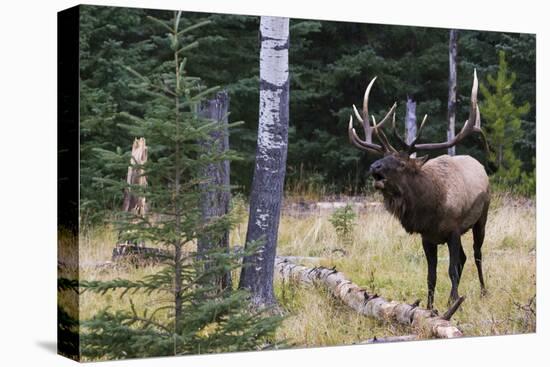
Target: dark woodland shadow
(48, 345)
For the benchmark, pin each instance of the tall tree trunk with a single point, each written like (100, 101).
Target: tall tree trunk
(178, 244)
(410, 122)
(451, 106)
(271, 153)
(215, 192)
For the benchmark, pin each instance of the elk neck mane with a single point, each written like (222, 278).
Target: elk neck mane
(417, 205)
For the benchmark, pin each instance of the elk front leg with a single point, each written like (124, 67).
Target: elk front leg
(457, 258)
(430, 249)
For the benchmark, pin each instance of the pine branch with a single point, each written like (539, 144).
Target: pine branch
(160, 22)
(188, 47)
(193, 27)
(102, 287)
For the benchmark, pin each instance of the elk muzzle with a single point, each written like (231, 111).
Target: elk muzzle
(376, 173)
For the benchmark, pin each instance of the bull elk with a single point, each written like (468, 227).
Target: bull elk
(440, 198)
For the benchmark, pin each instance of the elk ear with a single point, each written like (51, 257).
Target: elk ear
(421, 160)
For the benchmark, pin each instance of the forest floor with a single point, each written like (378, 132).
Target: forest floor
(384, 259)
(380, 257)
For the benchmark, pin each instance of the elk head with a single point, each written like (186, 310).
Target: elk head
(396, 166)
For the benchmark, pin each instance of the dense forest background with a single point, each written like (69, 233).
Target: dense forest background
(330, 65)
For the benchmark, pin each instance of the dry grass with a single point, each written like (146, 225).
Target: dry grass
(383, 259)
(97, 246)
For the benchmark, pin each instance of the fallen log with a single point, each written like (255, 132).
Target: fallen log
(139, 255)
(294, 259)
(391, 339)
(427, 322)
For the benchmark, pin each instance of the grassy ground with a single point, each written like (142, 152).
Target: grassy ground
(382, 258)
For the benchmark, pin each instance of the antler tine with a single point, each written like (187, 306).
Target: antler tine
(357, 114)
(478, 129)
(367, 144)
(382, 137)
(366, 126)
(472, 124)
(472, 118)
(418, 133)
(477, 125)
(365, 122)
(469, 124)
(366, 99)
(363, 144)
(422, 124)
(390, 112)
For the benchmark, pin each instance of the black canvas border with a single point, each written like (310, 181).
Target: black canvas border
(68, 166)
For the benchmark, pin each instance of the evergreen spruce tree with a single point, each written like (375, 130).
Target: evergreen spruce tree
(190, 314)
(503, 122)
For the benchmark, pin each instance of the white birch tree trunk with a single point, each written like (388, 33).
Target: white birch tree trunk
(270, 167)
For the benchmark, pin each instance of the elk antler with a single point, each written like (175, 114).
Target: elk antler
(409, 147)
(473, 124)
(367, 144)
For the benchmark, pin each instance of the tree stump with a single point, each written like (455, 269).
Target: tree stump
(136, 176)
(133, 203)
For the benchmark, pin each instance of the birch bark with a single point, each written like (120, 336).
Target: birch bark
(270, 167)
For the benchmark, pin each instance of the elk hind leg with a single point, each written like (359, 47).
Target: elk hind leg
(479, 236)
(457, 258)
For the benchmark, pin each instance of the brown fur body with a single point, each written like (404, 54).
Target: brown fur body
(440, 199)
(444, 195)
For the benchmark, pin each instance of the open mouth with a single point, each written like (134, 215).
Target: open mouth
(379, 180)
(377, 176)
